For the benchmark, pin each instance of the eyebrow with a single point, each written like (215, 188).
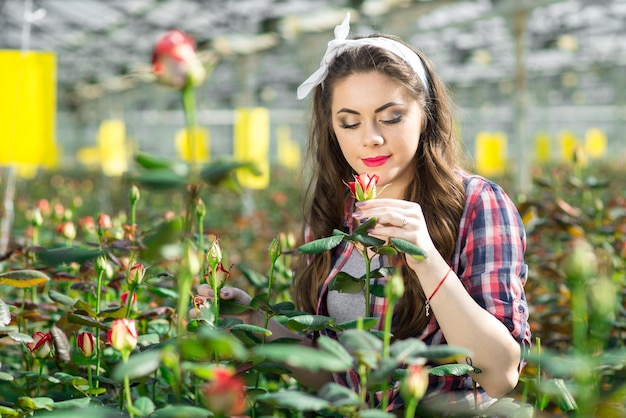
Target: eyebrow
(377, 110)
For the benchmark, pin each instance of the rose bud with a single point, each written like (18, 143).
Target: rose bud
(364, 186)
(175, 62)
(86, 344)
(225, 394)
(41, 347)
(136, 274)
(123, 334)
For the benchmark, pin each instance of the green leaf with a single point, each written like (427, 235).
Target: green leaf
(385, 250)
(307, 358)
(368, 240)
(5, 314)
(452, 369)
(67, 255)
(32, 404)
(402, 350)
(298, 401)
(180, 411)
(375, 413)
(333, 347)
(72, 404)
(164, 242)
(363, 323)
(138, 365)
(255, 278)
(218, 171)
(310, 322)
(9, 412)
(6, 377)
(320, 245)
(217, 341)
(69, 379)
(362, 344)
(159, 179)
(143, 406)
(365, 226)
(86, 321)
(23, 278)
(230, 307)
(339, 232)
(21, 338)
(252, 328)
(338, 396)
(344, 283)
(61, 298)
(409, 248)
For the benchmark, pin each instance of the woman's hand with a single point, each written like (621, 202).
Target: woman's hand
(250, 316)
(397, 218)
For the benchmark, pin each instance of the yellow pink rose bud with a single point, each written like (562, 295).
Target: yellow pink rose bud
(136, 274)
(415, 383)
(123, 335)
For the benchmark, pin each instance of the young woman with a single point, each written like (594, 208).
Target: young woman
(379, 108)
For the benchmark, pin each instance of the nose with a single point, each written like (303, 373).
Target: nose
(372, 136)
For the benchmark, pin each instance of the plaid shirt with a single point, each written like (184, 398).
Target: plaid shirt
(488, 259)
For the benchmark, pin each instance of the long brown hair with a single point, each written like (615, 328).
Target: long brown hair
(437, 186)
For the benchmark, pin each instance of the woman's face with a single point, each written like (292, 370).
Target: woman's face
(378, 125)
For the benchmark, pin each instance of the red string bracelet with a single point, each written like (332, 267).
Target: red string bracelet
(427, 305)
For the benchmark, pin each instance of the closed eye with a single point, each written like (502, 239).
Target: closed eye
(346, 126)
(392, 121)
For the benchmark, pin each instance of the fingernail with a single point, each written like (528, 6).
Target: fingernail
(356, 215)
(359, 204)
(224, 292)
(364, 220)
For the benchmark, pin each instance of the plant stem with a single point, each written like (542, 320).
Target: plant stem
(99, 291)
(89, 377)
(368, 263)
(410, 408)
(41, 365)
(129, 398)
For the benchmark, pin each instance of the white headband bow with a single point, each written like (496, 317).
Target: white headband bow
(340, 44)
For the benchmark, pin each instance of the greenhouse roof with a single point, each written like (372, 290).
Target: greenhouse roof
(108, 44)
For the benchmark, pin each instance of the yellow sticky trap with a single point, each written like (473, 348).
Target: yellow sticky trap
(595, 143)
(542, 147)
(568, 143)
(491, 153)
(288, 150)
(28, 109)
(184, 145)
(89, 157)
(112, 147)
(252, 143)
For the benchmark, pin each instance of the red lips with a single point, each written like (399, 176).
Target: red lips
(375, 161)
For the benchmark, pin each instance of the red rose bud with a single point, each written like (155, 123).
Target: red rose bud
(123, 334)
(104, 221)
(364, 186)
(175, 62)
(67, 230)
(415, 382)
(225, 394)
(86, 344)
(136, 274)
(124, 297)
(41, 347)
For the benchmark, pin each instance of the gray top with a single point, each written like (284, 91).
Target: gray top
(346, 307)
